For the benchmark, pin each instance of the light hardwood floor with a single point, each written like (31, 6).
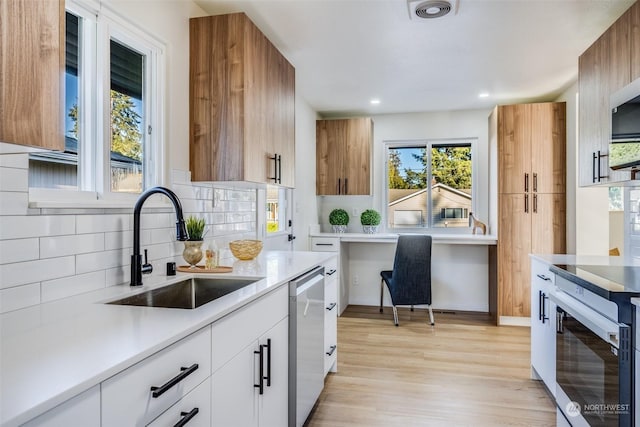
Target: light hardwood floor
(462, 372)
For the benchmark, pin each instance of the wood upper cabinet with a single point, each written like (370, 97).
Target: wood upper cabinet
(32, 59)
(531, 147)
(343, 156)
(241, 104)
(531, 140)
(609, 64)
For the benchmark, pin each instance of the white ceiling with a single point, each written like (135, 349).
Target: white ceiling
(347, 52)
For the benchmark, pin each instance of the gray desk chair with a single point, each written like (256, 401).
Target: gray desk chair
(409, 282)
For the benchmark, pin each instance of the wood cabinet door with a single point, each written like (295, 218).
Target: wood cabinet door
(548, 147)
(32, 60)
(619, 51)
(514, 148)
(548, 223)
(634, 27)
(284, 119)
(357, 167)
(514, 246)
(330, 152)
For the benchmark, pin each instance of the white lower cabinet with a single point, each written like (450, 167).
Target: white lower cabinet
(331, 316)
(543, 325)
(82, 410)
(193, 410)
(139, 394)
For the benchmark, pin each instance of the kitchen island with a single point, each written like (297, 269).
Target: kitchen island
(53, 352)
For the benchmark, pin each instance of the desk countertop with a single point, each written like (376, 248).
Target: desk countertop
(442, 239)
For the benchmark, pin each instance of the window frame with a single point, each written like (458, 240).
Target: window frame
(94, 160)
(428, 144)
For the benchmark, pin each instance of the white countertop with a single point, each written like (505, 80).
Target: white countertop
(586, 259)
(52, 352)
(443, 239)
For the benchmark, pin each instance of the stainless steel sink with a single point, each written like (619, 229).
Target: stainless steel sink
(190, 293)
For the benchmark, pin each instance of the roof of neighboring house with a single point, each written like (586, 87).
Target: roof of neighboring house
(70, 154)
(400, 195)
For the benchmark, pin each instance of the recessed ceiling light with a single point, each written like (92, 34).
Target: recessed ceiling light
(375, 101)
(483, 95)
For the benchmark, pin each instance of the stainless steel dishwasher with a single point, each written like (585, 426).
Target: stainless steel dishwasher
(306, 344)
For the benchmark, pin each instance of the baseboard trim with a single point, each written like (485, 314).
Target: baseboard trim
(514, 321)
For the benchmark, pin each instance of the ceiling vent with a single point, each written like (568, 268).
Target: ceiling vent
(431, 8)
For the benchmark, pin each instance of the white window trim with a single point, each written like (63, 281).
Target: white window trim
(94, 188)
(428, 143)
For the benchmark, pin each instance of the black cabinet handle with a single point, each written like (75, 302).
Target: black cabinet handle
(346, 186)
(535, 182)
(593, 167)
(526, 203)
(545, 278)
(535, 203)
(324, 244)
(539, 305)
(260, 384)
(544, 312)
(268, 377)
(279, 169)
(331, 306)
(185, 372)
(526, 182)
(186, 417)
(332, 349)
(333, 270)
(275, 168)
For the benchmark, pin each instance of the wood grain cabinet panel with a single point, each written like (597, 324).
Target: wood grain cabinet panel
(343, 156)
(531, 141)
(634, 40)
(32, 63)
(241, 104)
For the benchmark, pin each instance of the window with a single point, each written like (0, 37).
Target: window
(276, 209)
(446, 200)
(112, 78)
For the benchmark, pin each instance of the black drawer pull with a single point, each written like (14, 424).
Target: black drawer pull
(268, 377)
(545, 278)
(186, 417)
(324, 244)
(260, 385)
(333, 270)
(331, 306)
(185, 372)
(332, 349)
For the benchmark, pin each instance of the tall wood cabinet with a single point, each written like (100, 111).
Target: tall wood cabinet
(241, 104)
(32, 61)
(343, 156)
(531, 195)
(609, 64)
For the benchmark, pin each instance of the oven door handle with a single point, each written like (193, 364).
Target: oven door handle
(606, 329)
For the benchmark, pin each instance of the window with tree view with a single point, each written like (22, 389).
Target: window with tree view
(429, 184)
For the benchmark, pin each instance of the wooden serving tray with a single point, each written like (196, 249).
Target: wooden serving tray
(202, 269)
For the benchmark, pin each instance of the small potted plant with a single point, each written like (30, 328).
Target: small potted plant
(193, 246)
(339, 219)
(370, 219)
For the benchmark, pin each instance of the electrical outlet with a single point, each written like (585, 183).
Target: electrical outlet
(356, 280)
(354, 211)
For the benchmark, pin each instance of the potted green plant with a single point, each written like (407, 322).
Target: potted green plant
(339, 219)
(193, 246)
(370, 219)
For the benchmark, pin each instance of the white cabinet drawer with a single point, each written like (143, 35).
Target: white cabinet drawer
(234, 332)
(127, 398)
(329, 266)
(330, 322)
(194, 410)
(82, 410)
(325, 244)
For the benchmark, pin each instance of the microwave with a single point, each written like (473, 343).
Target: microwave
(624, 148)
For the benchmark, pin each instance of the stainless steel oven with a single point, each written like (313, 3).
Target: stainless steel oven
(593, 365)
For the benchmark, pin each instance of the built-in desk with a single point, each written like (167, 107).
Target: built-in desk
(463, 268)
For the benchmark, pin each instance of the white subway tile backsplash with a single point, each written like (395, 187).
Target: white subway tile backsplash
(162, 235)
(19, 297)
(17, 250)
(101, 260)
(180, 177)
(12, 179)
(14, 161)
(71, 245)
(102, 223)
(156, 220)
(119, 275)
(21, 273)
(240, 217)
(16, 227)
(163, 250)
(73, 285)
(13, 203)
